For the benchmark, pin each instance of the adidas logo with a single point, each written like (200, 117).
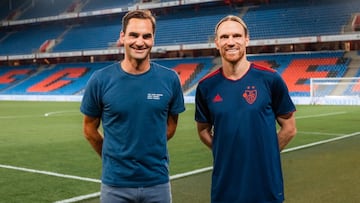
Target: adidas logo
(217, 98)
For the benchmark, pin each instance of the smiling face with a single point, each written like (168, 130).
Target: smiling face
(138, 39)
(231, 40)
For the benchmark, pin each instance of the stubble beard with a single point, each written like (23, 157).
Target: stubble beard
(234, 58)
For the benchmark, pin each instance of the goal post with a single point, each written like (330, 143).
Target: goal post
(335, 91)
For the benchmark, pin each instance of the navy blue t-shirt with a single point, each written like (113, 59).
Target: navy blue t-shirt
(245, 148)
(134, 111)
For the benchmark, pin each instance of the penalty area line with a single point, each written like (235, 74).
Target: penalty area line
(320, 142)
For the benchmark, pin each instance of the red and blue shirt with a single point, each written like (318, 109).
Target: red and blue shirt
(243, 113)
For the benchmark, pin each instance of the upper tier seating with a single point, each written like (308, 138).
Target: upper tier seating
(299, 18)
(190, 25)
(41, 8)
(187, 27)
(10, 8)
(29, 40)
(94, 5)
(96, 35)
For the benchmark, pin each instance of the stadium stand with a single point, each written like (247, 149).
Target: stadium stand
(60, 79)
(190, 70)
(299, 18)
(265, 21)
(95, 35)
(188, 24)
(94, 5)
(354, 89)
(29, 39)
(10, 9)
(297, 69)
(10, 76)
(34, 9)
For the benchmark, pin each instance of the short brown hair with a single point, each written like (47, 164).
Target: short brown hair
(141, 14)
(232, 18)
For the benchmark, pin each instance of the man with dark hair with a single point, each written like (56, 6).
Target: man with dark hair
(137, 103)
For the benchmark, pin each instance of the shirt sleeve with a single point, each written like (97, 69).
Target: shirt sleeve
(282, 102)
(91, 101)
(177, 105)
(202, 113)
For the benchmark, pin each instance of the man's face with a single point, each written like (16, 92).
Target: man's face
(231, 41)
(138, 39)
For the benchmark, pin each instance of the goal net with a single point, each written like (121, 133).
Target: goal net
(335, 91)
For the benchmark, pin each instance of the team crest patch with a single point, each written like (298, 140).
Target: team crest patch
(250, 94)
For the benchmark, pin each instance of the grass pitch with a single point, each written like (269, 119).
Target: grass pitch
(45, 158)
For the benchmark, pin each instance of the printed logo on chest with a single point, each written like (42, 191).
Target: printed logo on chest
(154, 96)
(250, 94)
(217, 98)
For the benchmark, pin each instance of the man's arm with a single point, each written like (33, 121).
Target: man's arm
(205, 133)
(92, 134)
(287, 129)
(171, 125)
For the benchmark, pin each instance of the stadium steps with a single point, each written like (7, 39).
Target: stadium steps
(216, 63)
(185, 71)
(353, 66)
(347, 28)
(60, 38)
(6, 35)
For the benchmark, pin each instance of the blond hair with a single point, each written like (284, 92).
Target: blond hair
(235, 19)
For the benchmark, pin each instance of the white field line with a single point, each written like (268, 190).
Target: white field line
(60, 112)
(79, 198)
(321, 115)
(174, 177)
(45, 114)
(97, 194)
(50, 173)
(197, 171)
(319, 133)
(65, 112)
(20, 116)
(202, 170)
(320, 142)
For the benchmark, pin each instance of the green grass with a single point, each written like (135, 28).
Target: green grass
(55, 143)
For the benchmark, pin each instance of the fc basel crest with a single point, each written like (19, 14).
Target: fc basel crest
(250, 94)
